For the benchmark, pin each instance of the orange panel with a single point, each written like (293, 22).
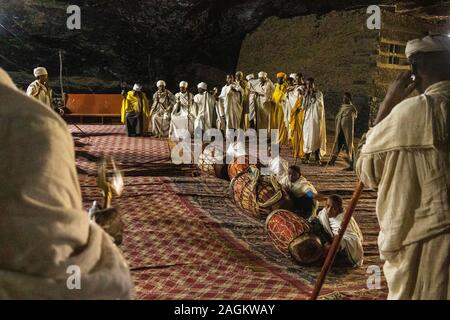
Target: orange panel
(95, 104)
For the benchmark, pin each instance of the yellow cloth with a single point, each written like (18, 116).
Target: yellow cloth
(296, 128)
(43, 227)
(133, 103)
(277, 115)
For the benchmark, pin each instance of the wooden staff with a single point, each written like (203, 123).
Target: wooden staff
(337, 240)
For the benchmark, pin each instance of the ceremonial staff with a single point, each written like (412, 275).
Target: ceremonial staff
(337, 240)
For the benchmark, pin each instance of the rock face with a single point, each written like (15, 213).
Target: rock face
(129, 40)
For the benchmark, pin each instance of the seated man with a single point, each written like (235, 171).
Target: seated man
(302, 192)
(351, 247)
(46, 238)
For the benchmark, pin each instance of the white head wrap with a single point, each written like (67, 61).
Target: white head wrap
(202, 85)
(137, 87)
(262, 74)
(40, 71)
(293, 76)
(433, 43)
(183, 84)
(250, 76)
(161, 83)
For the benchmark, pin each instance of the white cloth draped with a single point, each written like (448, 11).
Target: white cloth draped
(231, 99)
(314, 128)
(204, 111)
(352, 241)
(291, 97)
(44, 95)
(182, 119)
(161, 113)
(263, 103)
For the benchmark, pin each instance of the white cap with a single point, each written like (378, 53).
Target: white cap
(262, 74)
(293, 76)
(40, 71)
(432, 43)
(161, 83)
(183, 84)
(202, 85)
(137, 87)
(250, 76)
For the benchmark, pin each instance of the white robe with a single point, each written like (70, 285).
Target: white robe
(291, 97)
(232, 105)
(314, 128)
(406, 159)
(352, 241)
(252, 99)
(263, 103)
(44, 96)
(204, 111)
(161, 112)
(182, 119)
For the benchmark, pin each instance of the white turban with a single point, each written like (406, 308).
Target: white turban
(183, 84)
(40, 71)
(250, 77)
(161, 83)
(293, 76)
(262, 74)
(137, 87)
(433, 43)
(202, 85)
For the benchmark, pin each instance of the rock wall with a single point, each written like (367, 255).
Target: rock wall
(337, 49)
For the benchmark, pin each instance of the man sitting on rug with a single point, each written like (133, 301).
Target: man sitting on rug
(351, 248)
(302, 192)
(49, 249)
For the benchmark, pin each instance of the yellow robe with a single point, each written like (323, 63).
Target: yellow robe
(132, 104)
(296, 128)
(277, 116)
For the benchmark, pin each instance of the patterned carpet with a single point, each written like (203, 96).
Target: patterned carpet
(185, 238)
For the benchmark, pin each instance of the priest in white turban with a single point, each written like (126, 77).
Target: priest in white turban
(263, 91)
(39, 88)
(45, 235)
(163, 102)
(182, 119)
(406, 158)
(204, 108)
(231, 100)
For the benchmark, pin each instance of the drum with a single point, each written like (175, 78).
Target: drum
(255, 194)
(293, 237)
(210, 162)
(239, 165)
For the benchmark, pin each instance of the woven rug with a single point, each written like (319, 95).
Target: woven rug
(185, 238)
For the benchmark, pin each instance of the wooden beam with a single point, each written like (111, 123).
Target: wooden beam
(393, 66)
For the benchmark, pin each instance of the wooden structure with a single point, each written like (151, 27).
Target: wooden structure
(93, 107)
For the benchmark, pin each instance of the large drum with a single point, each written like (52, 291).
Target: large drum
(293, 237)
(257, 195)
(211, 162)
(239, 165)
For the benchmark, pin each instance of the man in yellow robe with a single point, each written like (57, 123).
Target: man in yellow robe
(49, 249)
(406, 158)
(135, 112)
(277, 116)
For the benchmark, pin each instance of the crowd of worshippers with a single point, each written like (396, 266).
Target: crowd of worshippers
(292, 105)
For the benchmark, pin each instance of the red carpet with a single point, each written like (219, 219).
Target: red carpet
(185, 238)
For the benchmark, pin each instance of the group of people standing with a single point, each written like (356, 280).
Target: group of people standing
(292, 106)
